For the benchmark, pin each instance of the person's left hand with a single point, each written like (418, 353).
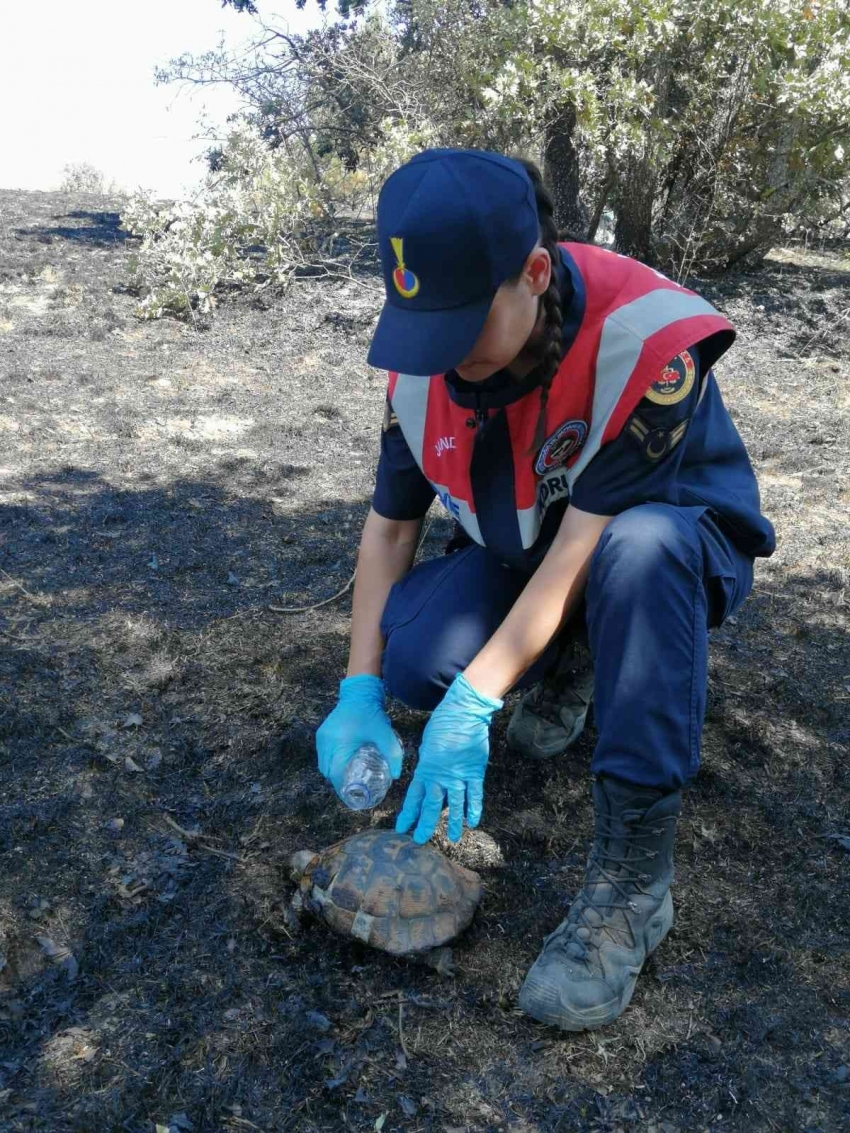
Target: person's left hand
(452, 760)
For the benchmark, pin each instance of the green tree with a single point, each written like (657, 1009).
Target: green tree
(710, 128)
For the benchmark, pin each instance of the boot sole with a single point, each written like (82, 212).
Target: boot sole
(596, 1017)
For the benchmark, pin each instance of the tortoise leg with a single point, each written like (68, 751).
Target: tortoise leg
(293, 913)
(440, 959)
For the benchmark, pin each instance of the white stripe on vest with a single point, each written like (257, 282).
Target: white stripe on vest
(410, 405)
(624, 333)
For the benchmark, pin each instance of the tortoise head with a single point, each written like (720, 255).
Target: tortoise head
(299, 862)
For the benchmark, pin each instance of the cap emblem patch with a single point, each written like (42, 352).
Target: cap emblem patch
(406, 283)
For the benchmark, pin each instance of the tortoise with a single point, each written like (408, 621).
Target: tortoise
(384, 889)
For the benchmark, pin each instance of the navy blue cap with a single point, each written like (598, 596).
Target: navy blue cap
(453, 226)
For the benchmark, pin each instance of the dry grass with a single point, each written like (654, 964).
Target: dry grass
(160, 488)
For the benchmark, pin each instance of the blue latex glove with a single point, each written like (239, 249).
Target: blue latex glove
(452, 760)
(359, 718)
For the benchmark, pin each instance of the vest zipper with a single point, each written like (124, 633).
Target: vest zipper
(480, 414)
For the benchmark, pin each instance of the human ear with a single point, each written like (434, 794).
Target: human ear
(537, 271)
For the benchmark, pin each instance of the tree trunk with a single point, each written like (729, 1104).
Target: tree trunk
(765, 227)
(561, 173)
(633, 230)
(596, 217)
(639, 177)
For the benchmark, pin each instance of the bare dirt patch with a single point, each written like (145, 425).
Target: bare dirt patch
(160, 487)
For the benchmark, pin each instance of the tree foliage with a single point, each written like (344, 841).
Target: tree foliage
(260, 217)
(241, 6)
(709, 128)
(344, 7)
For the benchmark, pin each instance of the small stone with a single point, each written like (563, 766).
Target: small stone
(408, 1106)
(318, 1021)
(14, 1009)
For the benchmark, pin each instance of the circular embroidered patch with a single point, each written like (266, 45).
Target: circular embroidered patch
(557, 449)
(676, 381)
(406, 282)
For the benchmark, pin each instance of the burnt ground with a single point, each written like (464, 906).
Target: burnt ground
(163, 485)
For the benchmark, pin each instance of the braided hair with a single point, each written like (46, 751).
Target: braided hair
(551, 346)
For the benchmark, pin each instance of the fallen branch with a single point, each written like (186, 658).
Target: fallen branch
(200, 841)
(318, 605)
(401, 1025)
(14, 581)
(339, 594)
(19, 637)
(820, 333)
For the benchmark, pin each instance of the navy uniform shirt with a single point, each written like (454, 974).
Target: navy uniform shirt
(703, 460)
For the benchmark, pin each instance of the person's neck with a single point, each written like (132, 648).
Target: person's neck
(531, 354)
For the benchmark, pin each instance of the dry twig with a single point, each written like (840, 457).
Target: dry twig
(318, 605)
(339, 594)
(401, 1025)
(201, 842)
(819, 334)
(14, 581)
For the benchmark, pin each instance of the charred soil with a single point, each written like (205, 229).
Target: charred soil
(162, 485)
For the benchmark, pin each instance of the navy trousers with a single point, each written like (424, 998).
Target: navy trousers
(660, 578)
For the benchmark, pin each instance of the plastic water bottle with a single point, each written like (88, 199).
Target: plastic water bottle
(367, 778)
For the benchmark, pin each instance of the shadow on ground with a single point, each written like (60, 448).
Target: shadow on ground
(100, 228)
(156, 733)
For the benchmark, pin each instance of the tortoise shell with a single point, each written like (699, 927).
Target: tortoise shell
(384, 889)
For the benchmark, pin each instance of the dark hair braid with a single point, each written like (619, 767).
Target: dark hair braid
(551, 298)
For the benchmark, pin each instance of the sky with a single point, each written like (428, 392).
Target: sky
(77, 85)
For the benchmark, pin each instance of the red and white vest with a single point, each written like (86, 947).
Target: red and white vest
(635, 321)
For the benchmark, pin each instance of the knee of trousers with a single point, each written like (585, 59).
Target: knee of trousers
(405, 675)
(639, 547)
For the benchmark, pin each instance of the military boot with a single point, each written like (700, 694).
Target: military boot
(586, 974)
(552, 715)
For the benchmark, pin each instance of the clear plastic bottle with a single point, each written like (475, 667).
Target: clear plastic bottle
(367, 779)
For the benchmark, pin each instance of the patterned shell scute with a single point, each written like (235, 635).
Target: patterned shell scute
(383, 889)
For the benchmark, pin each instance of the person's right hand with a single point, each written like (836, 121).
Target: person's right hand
(359, 718)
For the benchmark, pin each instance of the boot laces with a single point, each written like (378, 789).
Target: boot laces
(566, 937)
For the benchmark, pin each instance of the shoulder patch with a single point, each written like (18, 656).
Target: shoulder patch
(656, 443)
(676, 381)
(390, 418)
